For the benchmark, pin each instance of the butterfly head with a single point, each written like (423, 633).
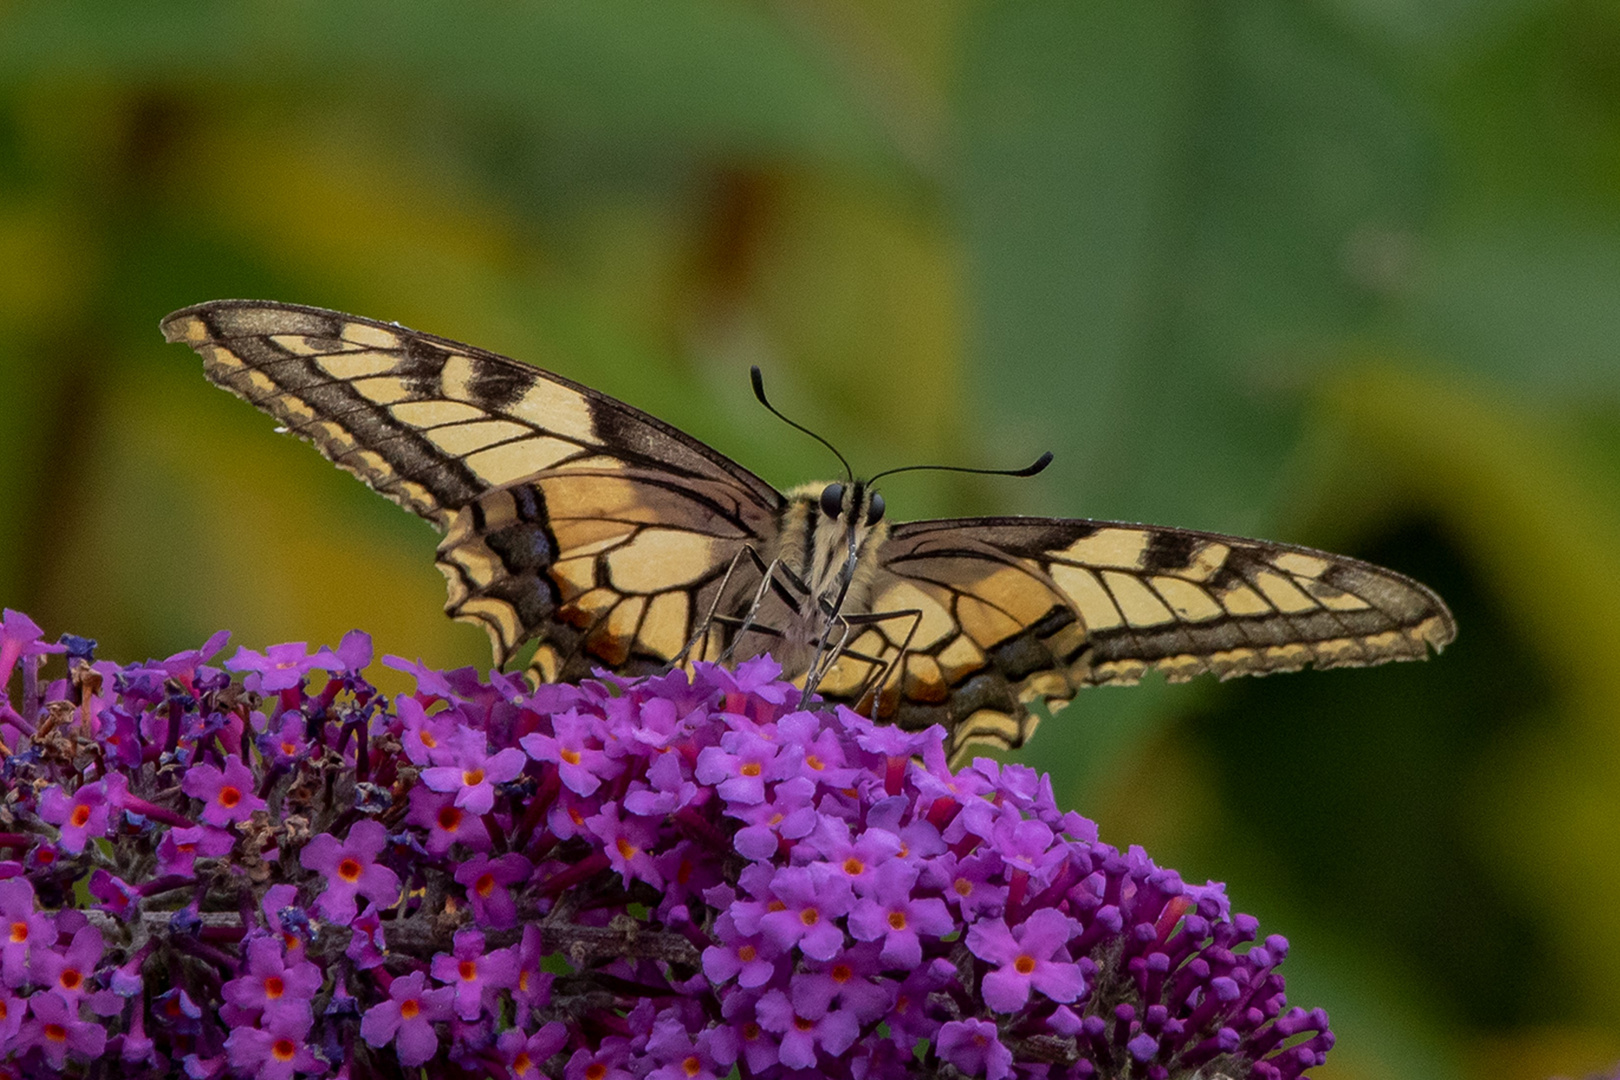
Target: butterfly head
(835, 534)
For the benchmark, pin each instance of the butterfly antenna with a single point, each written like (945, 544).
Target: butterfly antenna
(1028, 470)
(759, 392)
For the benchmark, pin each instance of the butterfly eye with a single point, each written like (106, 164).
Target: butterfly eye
(874, 512)
(832, 500)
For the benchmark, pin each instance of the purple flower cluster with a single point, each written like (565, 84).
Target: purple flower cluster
(677, 878)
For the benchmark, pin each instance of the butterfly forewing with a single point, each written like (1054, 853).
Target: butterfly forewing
(607, 536)
(550, 492)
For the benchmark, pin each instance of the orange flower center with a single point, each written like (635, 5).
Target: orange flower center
(626, 848)
(692, 1066)
(897, 920)
(484, 885)
(842, 973)
(570, 756)
(814, 762)
(595, 1071)
(409, 1008)
(450, 818)
(468, 970)
(284, 1049)
(349, 869)
(963, 886)
(70, 979)
(472, 777)
(229, 796)
(56, 1032)
(1024, 964)
(854, 867)
(19, 931)
(746, 953)
(809, 916)
(81, 815)
(751, 769)
(274, 987)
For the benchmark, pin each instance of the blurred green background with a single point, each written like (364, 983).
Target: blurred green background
(1340, 272)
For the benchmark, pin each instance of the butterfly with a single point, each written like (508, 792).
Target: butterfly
(615, 541)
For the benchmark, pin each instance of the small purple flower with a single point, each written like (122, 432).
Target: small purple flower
(1025, 959)
(974, 1047)
(288, 742)
(54, 1027)
(445, 822)
(741, 765)
(790, 815)
(280, 667)
(524, 1053)
(427, 739)
(531, 989)
(406, 1019)
(180, 848)
(708, 1057)
(475, 975)
(19, 637)
(487, 881)
(81, 816)
(68, 972)
(270, 985)
(833, 1030)
(607, 1062)
(849, 980)
(351, 656)
(275, 1051)
(669, 789)
(891, 914)
(576, 750)
(627, 842)
(812, 898)
(474, 775)
(228, 793)
(21, 928)
(350, 868)
(748, 959)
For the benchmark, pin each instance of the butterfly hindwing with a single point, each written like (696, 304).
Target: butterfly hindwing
(1018, 609)
(610, 568)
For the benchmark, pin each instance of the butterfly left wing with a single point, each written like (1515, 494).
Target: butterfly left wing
(1010, 610)
(569, 516)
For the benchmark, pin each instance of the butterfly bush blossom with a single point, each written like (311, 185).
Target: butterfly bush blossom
(287, 874)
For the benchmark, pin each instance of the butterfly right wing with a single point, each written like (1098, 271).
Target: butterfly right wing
(1014, 610)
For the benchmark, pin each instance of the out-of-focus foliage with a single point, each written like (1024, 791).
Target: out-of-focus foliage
(1343, 272)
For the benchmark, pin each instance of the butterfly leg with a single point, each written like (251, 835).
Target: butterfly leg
(769, 583)
(719, 594)
(768, 580)
(881, 667)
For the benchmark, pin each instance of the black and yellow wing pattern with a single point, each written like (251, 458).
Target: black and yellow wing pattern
(568, 516)
(1015, 610)
(609, 537)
